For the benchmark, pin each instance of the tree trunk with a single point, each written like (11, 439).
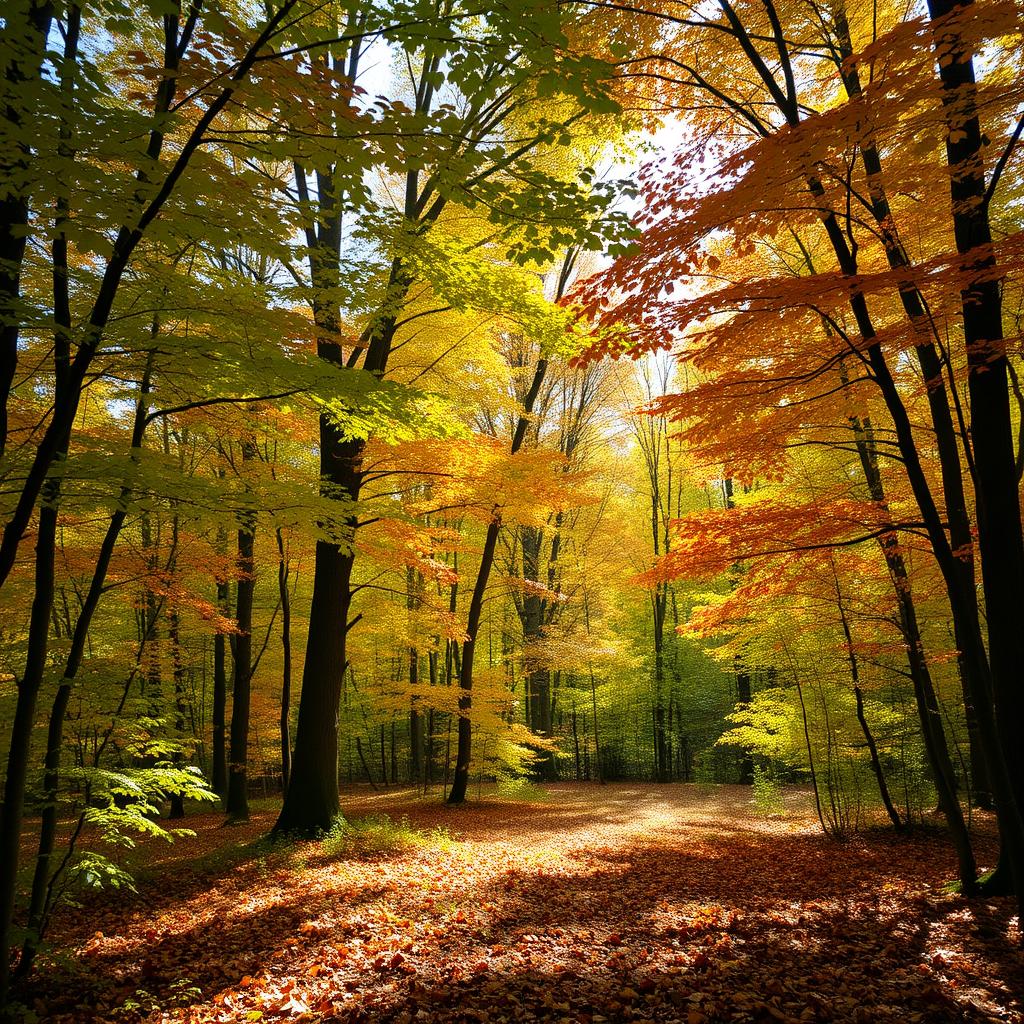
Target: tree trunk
(413, 584)
(21, 728)
(576, 746)
(876, 764)
(460, 783)
(177, 810)
(463, 755)
(237, 806)
(743, 696)
(41, 895)
(27, 31)
(961, 539)
(286, 655)
(219, 778)
(999, 520)
(311, 803)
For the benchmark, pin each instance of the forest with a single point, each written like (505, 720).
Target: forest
(511, 511)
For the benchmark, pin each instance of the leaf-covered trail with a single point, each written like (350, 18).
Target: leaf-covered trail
(621, 903)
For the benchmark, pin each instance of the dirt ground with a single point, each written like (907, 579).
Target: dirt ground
(613, 903)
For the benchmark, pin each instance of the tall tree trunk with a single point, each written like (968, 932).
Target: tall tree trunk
(413, 584)
(27, 30)
(973, 686)
(286, 655)
(463, 756)
(999, 519)
(237, 805)
(576, 746)
(743, 696)
(660, 599)
(41, 894)
(219, 780)
(21, 728)
(311, 803)
(177, 810)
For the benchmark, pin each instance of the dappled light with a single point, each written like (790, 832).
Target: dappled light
(511, 511)
(623, 902)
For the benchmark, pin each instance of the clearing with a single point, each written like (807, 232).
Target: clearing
(614, 903)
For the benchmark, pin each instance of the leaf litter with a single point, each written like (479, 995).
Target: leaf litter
(600, 904)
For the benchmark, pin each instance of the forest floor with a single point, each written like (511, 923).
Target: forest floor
(615, 903)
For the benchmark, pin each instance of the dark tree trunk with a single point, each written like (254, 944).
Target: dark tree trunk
(30, 29)
(219, 778)
(21, 727)
(537, 683)
(40, 901)
(363, 762)
(237, 805)
(463, 757)
(660, 605)
(743, 696)
(311, 803)
(999, 520)
(177, 810)
(876, 764)
(413, 584)
(961, 540)
(286, 655)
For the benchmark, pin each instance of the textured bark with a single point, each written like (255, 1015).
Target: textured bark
(413, 586)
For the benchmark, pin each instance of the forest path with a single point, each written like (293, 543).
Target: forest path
(615, 903)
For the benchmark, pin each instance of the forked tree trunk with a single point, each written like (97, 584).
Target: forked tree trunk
(460, 783)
